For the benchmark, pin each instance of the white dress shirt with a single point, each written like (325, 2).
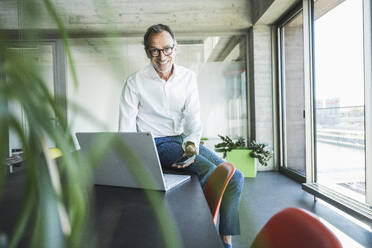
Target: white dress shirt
(164, 108)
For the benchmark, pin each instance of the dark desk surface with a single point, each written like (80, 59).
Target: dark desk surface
(125, 218)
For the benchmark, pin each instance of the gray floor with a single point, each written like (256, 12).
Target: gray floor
(271, 192)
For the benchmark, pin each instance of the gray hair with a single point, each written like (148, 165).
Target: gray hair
(154, 29)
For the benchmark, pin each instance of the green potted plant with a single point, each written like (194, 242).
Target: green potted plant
(244, 156)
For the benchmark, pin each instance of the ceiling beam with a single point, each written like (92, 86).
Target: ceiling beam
(231, 44)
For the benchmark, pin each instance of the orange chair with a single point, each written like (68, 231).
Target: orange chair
(294, 228)
(216, 186)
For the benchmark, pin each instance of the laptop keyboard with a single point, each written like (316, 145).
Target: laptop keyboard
(172, 180)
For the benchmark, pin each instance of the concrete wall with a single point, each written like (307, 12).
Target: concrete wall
(261, 77)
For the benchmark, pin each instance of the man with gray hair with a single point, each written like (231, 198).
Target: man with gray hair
(163, 99)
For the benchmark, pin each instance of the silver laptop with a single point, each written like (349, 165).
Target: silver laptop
(135, 164)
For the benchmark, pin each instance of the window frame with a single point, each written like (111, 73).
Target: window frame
(357, 209)
(362, 211)
(281, 97)
(367, 41)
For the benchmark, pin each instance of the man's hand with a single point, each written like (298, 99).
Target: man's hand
(184, 164)
(190, 149)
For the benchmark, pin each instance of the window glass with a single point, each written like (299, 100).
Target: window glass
(292, 90)
(339, 95)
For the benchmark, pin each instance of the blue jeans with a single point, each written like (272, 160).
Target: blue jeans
(170, 150)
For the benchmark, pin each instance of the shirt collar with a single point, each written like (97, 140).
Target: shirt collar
(154, 75)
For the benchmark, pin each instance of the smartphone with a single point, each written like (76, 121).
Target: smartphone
(185, 160)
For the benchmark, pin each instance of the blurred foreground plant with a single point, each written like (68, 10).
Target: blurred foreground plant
(49, 207)
(56, 209)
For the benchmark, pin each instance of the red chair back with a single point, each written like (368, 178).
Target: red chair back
(294, 228)
(216, 186)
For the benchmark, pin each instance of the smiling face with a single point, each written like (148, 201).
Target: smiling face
(163, 64)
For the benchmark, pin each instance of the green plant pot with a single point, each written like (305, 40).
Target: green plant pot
(241, 160)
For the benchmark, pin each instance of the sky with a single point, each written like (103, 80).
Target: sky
(338, 50)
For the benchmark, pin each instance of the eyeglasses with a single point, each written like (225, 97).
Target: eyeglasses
(156, 52)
